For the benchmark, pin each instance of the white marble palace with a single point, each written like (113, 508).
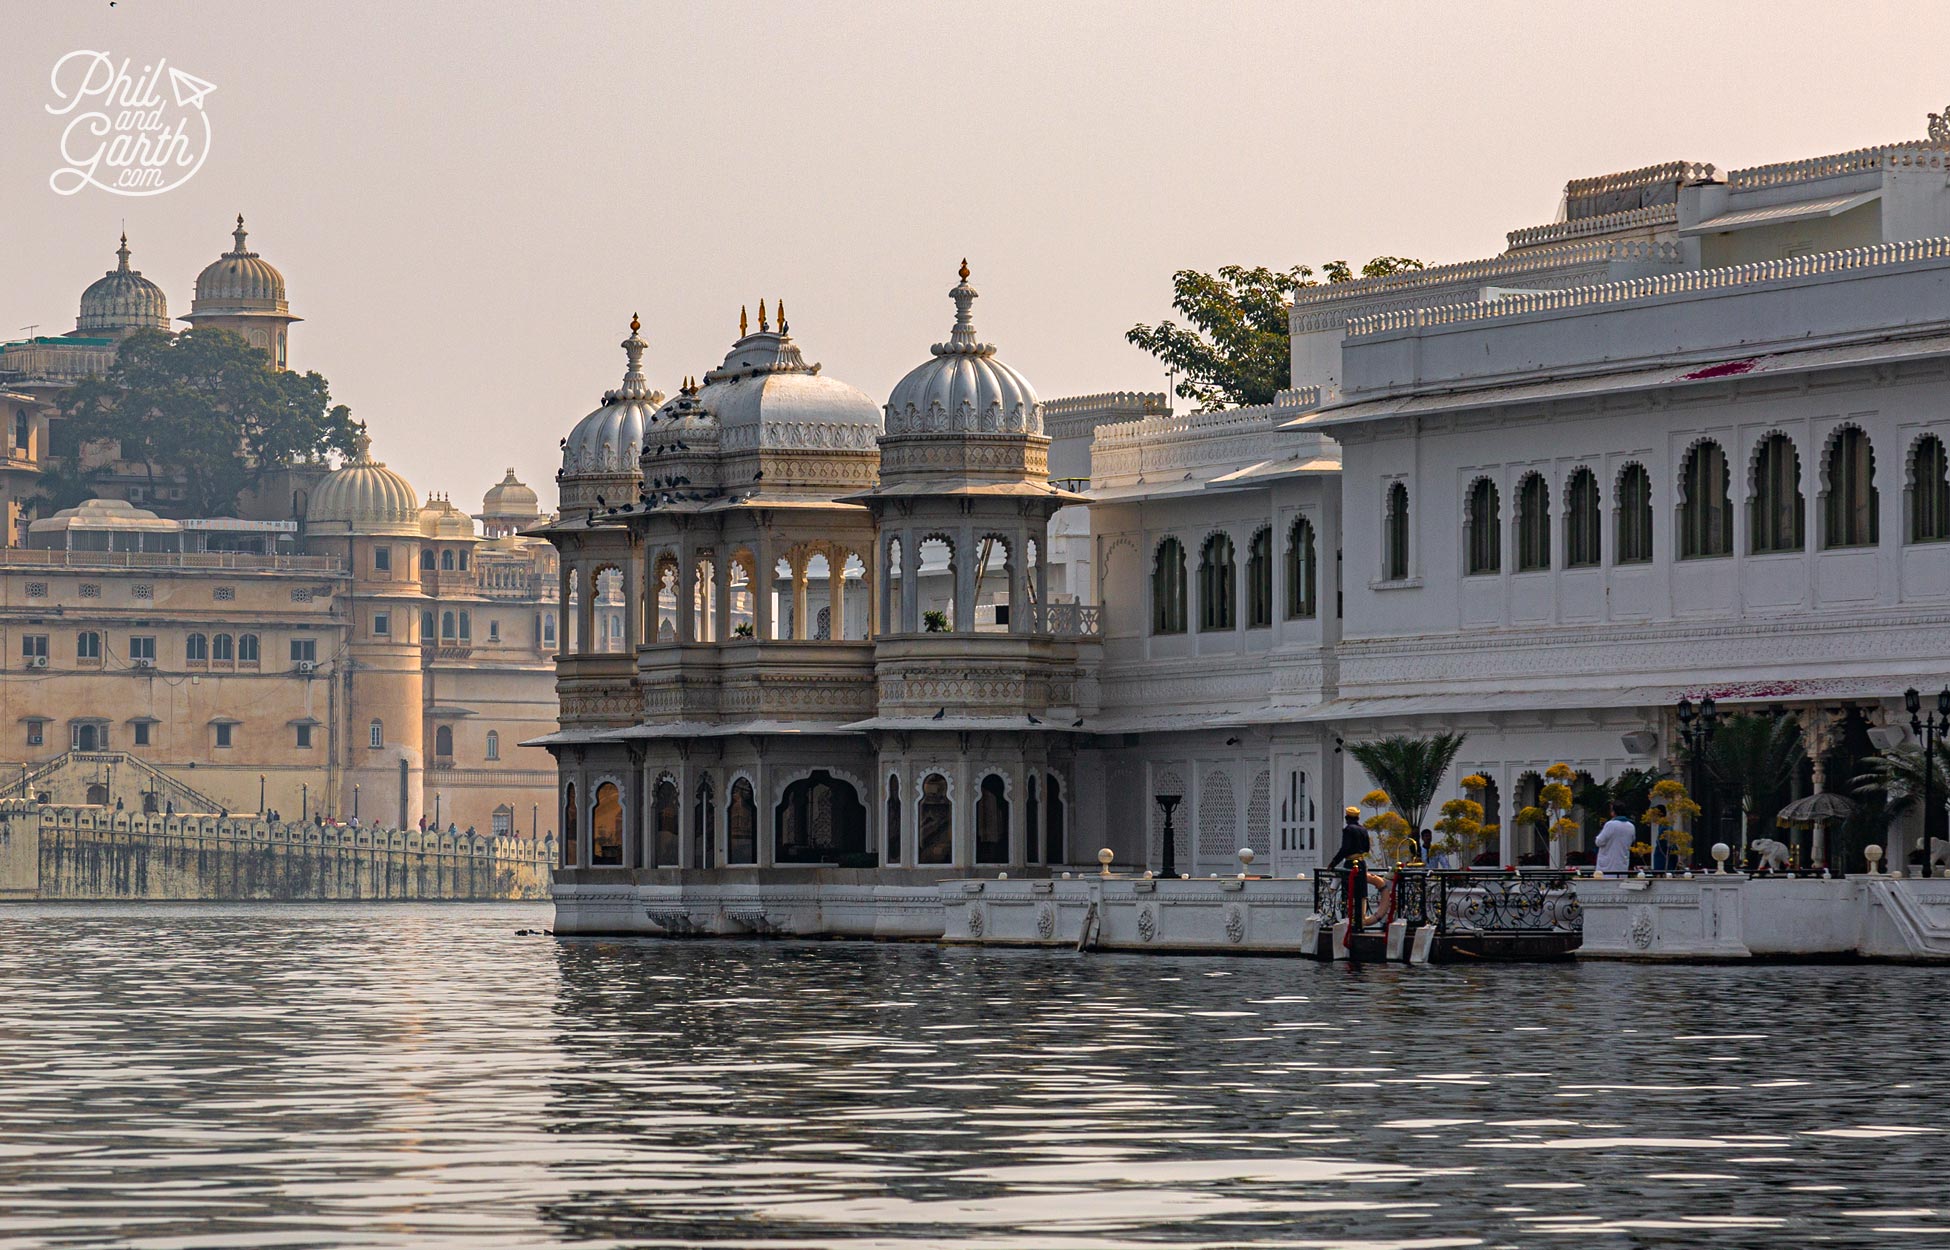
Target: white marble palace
(1689, 438)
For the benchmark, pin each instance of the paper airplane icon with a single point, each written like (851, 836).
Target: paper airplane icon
(189, 89)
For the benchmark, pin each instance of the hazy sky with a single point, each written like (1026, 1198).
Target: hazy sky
(468, 200)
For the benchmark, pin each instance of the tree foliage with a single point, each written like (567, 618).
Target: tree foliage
(1408, 769)
(1755, 756)
(206, 409)
(1236, 348)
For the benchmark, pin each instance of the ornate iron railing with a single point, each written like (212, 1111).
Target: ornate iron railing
(1467, 901)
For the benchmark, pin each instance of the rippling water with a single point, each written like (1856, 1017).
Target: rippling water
(179, 1076)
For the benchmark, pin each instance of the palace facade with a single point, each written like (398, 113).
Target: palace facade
(1686, 440)
(344, 647)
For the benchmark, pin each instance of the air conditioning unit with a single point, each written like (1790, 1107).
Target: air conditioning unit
(36, 661)
(139, 662)
(307, 667)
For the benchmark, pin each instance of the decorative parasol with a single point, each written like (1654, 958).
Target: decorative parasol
(1817, 809)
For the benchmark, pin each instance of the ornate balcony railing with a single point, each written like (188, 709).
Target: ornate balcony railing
(1467, 901)
(1069, 620)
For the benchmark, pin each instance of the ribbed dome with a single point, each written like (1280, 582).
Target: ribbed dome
(510, 498)
(239, 281)
(766, 397)
(440, 519)
(363, 497)
(964, 389)
(122, 300)
(606, 443)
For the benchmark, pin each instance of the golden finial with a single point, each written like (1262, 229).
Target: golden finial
(781, 316)
(761, 317)
(742, 331)
(964, 269)
(635, 325)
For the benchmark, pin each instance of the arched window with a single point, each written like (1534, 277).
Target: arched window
(1533, 524)
(1582, 543)
(88, 645)
(664, 837)
(1850, 499)
(427, 630)
(741, 825)
(1394, 534)
(548, 628)
(461, 560)
(819, 820)
(1302, 580)
(426, 559)
(1634, 515)
(568, 823)
(222, 648)
(935, 837)
(22, 430)
(447, 559)
(704, 822)
(893, 820)
(1168, 589)
(493, 744)
(1705, 506)
(1929, 491)
(606, 827)
(1259, 580)
(247, 649)
(467, 628)
(1777, 513)
(443, 740)
(992, 822)
(446, 624)
(376, 735)
(196, 649)
(1054, 851)
(1483, 524)
(1217, 594)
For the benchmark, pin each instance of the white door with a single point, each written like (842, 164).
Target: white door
(1296, 832)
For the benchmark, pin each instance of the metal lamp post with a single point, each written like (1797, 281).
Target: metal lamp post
(1928, 729)
(436, 809)
(355, 802)
(260, 794)
(1696, 729)
(304, 802)
(1169, 858)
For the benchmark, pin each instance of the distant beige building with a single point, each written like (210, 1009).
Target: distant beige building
(347, 648)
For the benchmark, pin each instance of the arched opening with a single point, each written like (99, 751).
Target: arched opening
(426, 559)
(196, 649)
(428, 630)
(1533, 524)
(785, 594)
(744, 622)
(1705, 504)
(704, 820)
(1483, 528)
(606, 827)
(935, 839)
(376, 734)
(443, 741)
(493, 744)
(568, 824)
(663, 820)
(1582, 543)
(1055, 847)
(994, 577)
(1302, 581)
(891, 620)
(1168, 588)
(741, 824)
(937, 586)
(819, 820)
(704, 600)
(1634, 515)
(247, 649)
(893, 820)
(87, 738)
(992, 822)
(447, 626)
(223, 649)
(1777, 512)
(1850, 499)
(447, 560)
(1217, 593)
(150, 803)
(97, 795)
(856, 614)
(1259, 580)
(1929, 491)
(1394, 542)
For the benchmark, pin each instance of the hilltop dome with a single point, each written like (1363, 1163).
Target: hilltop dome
(122, 300)
(510, 498)
(601, 453)
(363, 497)
(239, 281)
(964, 388)
(766, 397)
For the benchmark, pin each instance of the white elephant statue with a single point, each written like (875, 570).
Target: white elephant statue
(1773, 855)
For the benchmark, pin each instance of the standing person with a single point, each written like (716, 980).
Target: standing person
(1615, 842)
(1354, 847)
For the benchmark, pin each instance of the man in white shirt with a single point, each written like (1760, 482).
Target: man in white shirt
(1615, 842)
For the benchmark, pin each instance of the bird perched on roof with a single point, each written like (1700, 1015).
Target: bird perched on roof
(1033, 720)
(1077, 723)
(941, 715)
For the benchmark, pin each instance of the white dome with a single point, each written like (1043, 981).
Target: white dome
(964, 389)
(363, 497)
(122, 300)
(606, 443)
(766, 397)
(239, 281)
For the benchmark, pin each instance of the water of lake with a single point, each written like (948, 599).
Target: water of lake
(245, 1076)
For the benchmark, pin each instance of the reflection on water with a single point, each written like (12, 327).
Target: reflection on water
(298, 1076)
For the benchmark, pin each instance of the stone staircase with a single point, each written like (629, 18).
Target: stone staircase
(169, 791)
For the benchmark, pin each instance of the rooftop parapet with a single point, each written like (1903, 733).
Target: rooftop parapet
(1633, 188)
(1199, 445)
(1840, 165)
(1649, 218)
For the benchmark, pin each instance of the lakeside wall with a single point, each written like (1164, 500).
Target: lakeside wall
(93, 854)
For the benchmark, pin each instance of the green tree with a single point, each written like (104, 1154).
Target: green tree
(1236, 350)
(1632, 787)
(1756, 757)
(208, 410)
(1408, 769)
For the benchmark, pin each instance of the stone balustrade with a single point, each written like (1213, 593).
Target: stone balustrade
(1839, 165)
(1631, 179)
(1491, 271)
(1648, 218)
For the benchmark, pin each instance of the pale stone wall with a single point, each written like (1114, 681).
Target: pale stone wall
(90, 854)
